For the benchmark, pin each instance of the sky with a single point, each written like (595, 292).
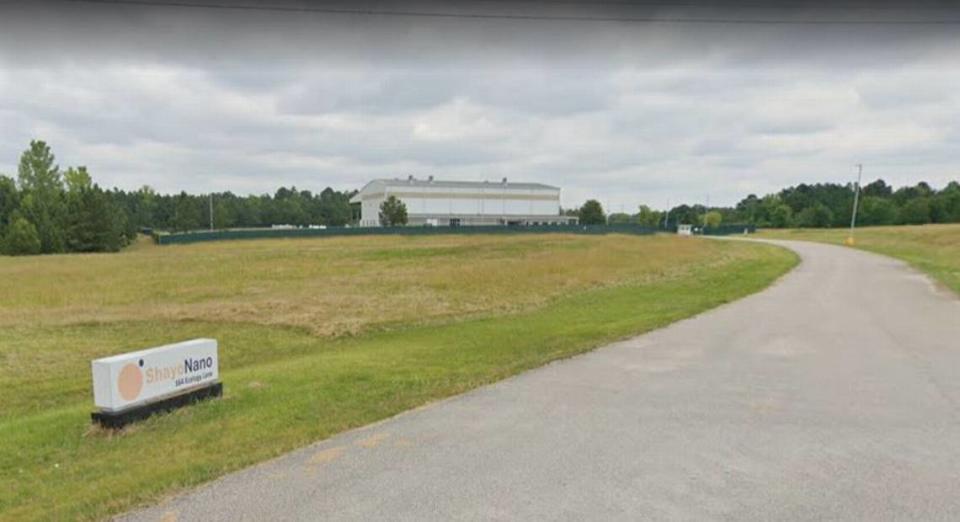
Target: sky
(628, 102)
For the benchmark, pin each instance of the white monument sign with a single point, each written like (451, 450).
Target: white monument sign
(133, 379)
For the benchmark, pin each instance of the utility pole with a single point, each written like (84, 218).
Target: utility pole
(211, 211)
(666, 216)
(856, 202)
(703, 220)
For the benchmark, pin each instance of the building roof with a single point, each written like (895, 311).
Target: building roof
(400, 182)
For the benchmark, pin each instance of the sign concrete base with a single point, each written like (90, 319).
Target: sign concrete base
(120, 419)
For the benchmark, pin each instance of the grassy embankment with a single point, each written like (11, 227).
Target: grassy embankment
(934, 249)
(316, 336)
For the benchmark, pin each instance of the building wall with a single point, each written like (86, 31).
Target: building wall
(486, 205)
(489, 206)
(473, 219)
(370, 211)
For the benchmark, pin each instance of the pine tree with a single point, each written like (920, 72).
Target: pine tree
(591, 213)
(94, 223)
(21, 238)
(42, 200)
(393, 212)
(9, 202)
(186, 213)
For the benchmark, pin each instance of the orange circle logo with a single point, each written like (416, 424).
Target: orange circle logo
(130, 382)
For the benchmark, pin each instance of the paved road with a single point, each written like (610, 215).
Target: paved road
(834, 395)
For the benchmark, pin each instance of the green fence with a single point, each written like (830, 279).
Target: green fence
(265, 233)
(729, 230)
(722, 230)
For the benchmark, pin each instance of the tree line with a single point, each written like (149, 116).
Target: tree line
(47, 210)
(829, 205)
(821, 205)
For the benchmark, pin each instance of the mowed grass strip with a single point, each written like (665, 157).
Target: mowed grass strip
(287, 386)
(934, 249)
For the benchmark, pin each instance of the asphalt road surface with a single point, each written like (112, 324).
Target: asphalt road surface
(833, 395)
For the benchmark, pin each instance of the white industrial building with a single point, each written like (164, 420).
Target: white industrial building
(456, 203)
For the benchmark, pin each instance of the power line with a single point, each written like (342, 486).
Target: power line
(863, 6)
(514, 17)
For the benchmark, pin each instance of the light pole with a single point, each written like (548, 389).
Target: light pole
(856, 202)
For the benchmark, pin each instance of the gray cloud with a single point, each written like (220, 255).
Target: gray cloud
(245, 101)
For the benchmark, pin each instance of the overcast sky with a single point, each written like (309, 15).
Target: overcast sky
(629, 112)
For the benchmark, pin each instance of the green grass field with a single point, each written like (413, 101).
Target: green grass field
(934, 249)
(316, 337)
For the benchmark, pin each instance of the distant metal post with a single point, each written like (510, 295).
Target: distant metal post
(856, 202)
(703, 219)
